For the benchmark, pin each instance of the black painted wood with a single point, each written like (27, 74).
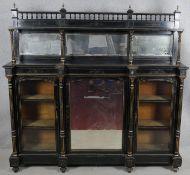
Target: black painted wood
(128, 68)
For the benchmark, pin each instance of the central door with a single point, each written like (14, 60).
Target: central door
(96, 113)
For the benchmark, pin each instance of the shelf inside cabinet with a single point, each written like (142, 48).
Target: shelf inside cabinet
(39, 123)
(154, 98)
(40, 147)
(152, 147)
(153, 124)
(38, 140)
(38, 98)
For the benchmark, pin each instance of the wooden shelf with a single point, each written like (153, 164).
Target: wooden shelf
(39, 123)
(152, 147)
(153, 124)
(154, 98)
(40, 147)
(38, 140)
(38, 98)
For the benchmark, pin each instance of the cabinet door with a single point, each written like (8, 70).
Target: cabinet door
(96, 114)
(37, 115)
(155, 115)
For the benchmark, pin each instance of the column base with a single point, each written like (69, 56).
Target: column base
(63, 164)
(130, 163)
(176, 163)
(14, 162)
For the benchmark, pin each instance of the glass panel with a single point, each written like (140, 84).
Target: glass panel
(155, 90)
(96, 112)
(37, 90)
(40, 44)
(154, 116)
(37, 115)
(37, 101)
(38, 140)
(155, 113)
(38, 112)
(152, 45)
(154, 140)
(96, 44)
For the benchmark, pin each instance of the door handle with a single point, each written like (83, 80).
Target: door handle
(96, 97)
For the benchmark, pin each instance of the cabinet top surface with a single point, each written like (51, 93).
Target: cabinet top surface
(120, 64)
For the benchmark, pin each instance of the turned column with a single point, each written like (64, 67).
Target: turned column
(179, 47)
(130, 50)
(13, 49)
(62, 160)
(62, 36)
(130, 160)
(177, 160)
(14, 159)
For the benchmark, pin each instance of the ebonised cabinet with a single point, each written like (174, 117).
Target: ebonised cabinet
(95, 88)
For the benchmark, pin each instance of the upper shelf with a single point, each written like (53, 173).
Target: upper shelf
(154, 98)
(131, 37)
(64, 18)
(38, 98)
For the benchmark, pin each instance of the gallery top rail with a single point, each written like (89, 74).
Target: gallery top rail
(20, 18)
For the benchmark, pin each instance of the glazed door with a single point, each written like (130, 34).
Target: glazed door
(155, 115)
(37, 115)
(96, 114)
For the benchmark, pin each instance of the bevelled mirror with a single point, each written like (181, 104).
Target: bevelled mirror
(152, 45)
(40, 44)
(96, 114)
(87, 44)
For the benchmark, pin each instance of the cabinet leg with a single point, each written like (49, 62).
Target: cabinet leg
(177, 162)
(63, 164)
(14, 163)
(129, 169)
(15, 169)
(130, 163)
(63, 169)
(175, 169)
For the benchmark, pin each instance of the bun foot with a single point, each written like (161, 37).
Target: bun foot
(175, 169)
(63, 169)
(15, 169)
(129, 170)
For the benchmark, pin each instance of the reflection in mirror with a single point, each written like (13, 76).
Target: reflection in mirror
(96, 44)
(39, 44)
(96, 111)
(152, 45)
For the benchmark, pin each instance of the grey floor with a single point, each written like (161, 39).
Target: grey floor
(51, 170)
